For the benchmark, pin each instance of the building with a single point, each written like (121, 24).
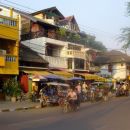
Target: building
(49, 38)
(9, 45)
(55, 38)
(30, 63)
(114, 64)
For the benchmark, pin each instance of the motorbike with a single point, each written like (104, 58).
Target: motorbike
(122, 92)
(67, 106)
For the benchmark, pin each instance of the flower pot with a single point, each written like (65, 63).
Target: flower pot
(13, 99)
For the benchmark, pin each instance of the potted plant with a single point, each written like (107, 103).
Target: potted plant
(6, 90)
(12, 88)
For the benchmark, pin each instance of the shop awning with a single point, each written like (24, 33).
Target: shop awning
(37, 72)
(91, 77)
(64, 74)
(101, 79)
(87, 76)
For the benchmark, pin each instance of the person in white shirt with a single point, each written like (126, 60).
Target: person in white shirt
(84, 88)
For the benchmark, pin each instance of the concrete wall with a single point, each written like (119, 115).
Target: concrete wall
(119, 70)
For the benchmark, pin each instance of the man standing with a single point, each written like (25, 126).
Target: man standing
(78, 89)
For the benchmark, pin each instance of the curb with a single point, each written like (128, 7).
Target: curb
(19, 109)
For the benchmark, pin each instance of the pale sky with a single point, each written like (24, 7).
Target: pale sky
(102, 18)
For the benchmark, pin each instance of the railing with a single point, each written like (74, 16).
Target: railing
(8, 21)
(39, 34)
(76, 54)
(10, 65)
(10, 58)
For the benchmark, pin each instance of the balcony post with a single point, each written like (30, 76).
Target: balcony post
(11, 12)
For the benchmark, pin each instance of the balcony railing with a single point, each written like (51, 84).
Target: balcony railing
(33, 35)
(10, 65)
(76, 54)
(8, 21)
(10, 58)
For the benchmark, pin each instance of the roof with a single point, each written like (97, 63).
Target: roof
(29, 16)
(29, 55)
(51, 9)
(67, 20)
(112, 57)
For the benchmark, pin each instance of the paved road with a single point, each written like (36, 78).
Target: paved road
(112, 115)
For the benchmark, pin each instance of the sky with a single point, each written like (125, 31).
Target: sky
(102, 18)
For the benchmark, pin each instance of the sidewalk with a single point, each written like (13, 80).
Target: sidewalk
(8, 106)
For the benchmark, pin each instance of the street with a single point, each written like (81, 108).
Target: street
(111, 115)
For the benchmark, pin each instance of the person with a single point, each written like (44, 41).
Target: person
(78, 90)
(72, 96)
(84, 88)
(34, 93)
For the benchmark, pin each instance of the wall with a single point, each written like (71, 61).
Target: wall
(37, 44)
(118, 71)
(9, 34)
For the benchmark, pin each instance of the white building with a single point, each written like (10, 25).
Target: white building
(114, 64)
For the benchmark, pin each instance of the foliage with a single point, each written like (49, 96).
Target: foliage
(61, 32)
(125, 34)
(82, 38)
(12, 87)
(125, 37)
(76, 37)
(90, 41)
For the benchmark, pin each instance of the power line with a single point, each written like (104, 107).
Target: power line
(82, 26)
(96, 29)
(19, 5)
(15, 7)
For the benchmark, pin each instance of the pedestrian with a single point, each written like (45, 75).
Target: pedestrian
(78, 90)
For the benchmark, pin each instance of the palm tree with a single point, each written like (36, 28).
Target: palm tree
(125, 35)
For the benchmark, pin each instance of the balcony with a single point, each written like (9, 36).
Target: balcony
(9, 28)
(55, 36)
(56, 62)
(10, 65)
(75, 54)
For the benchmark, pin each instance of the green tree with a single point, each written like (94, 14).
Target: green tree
(125, 32)
(61, 32)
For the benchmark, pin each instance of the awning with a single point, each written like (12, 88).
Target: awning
(101, 79)
(38, 72)
(64, 74)
(87, 76)
(91, 76)
(38, 78)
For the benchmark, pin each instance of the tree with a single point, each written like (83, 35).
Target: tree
(125, 34)
(61, 32)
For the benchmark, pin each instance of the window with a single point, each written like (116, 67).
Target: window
(79, 63)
